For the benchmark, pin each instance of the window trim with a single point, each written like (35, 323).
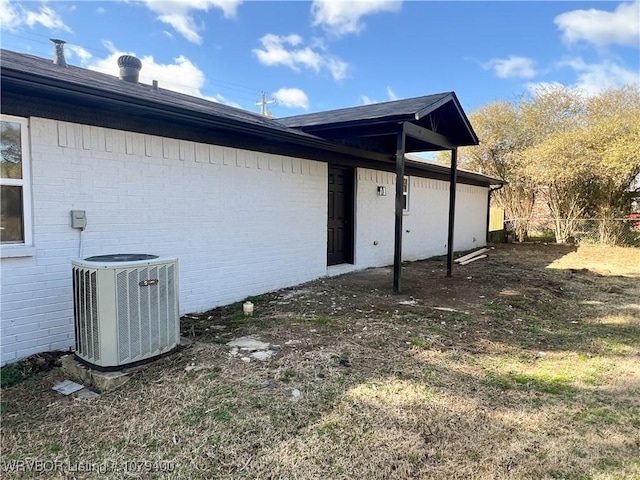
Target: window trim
(24, 248)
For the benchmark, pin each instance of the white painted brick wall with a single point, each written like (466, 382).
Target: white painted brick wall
(240, 222)
(425, 225)
(374, 218)
(471, 217)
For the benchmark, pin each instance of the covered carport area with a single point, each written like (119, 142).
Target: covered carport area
(423, 124)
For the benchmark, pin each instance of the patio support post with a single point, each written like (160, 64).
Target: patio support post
(453, 177)
(397, 254)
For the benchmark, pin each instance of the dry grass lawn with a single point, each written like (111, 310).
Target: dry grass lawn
(533, 373)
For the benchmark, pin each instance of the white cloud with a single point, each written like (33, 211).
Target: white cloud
(339, 69)
(368, 100)
(47, 18)
(292, 97)
(184, 25)
(275, 52)
(219, 98)
(343, 17)
(9, 15)
(14, 16)
(593, 78)
(178, 14)
(101, 10)
(190, 78)
(602, 28)
(540, 87)
(511, 67)
(181, 76)
(289, 51)
(83, 54)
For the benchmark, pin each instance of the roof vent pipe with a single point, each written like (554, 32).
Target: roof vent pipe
(130, 68)
(58, 52)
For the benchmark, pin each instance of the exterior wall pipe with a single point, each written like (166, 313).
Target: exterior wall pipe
(452, 208)
(397, 253)
(58, 52)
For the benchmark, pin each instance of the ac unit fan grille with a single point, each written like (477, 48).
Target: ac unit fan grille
(146, 314)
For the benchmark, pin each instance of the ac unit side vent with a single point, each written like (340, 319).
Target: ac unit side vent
(86, 313)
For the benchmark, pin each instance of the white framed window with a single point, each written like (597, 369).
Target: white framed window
(405, 194)
(15, 183)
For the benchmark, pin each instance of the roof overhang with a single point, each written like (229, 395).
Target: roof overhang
(54, 95)
(363, 136)
(443, 172)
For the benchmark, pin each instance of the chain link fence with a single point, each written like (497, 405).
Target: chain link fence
(609, 231)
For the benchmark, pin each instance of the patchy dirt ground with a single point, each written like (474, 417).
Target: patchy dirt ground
(529, 277)
(524, 365)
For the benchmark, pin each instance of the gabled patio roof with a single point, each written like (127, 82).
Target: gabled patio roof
(436, 122)
(429, 123)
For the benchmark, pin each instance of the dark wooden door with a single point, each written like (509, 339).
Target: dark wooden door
(340, 223)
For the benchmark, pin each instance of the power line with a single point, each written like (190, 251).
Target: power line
(240, 91)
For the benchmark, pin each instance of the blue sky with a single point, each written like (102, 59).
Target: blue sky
(330, 54)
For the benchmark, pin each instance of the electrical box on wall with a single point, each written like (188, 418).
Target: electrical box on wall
(78, 219)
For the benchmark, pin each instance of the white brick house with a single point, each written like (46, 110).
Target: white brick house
(241, 200)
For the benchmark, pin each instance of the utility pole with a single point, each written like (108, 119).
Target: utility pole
(263, 105)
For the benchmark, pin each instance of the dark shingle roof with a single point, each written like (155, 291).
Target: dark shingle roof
(407, 110)
(82, 78)
(310, 125)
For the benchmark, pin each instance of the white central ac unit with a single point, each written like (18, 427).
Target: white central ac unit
(125, 308)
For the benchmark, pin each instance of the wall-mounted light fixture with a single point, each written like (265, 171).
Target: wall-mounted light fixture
(382, 191)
